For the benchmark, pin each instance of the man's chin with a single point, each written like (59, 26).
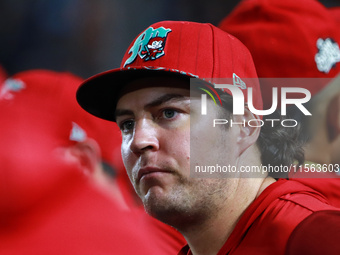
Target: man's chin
(157, 201)
(154, 196)
(164, 206)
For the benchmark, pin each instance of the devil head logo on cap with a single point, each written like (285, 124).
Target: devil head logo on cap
(154, 49)
(149, 45)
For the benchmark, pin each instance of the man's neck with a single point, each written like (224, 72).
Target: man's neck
(208, 237)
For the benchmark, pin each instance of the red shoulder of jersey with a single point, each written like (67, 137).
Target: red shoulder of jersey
(327, 183)
(318, 234)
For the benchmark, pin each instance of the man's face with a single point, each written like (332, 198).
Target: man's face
(154, 116)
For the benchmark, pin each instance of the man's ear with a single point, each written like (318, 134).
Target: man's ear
(87, 154)
(249, 129)
(333, 118)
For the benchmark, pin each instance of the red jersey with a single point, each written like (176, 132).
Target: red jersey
(329, 187)
(268, 222)
(327, 183)
(318, 234)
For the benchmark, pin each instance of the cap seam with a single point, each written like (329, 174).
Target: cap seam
(213, 51)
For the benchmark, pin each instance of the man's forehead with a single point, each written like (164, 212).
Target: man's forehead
(147, 97)
(165, 82)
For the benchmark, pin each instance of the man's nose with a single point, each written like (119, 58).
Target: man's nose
(145, 137)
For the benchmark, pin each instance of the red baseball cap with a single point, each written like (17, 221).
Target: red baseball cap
(335, 12)
(287, 39)
(172, 48)
(45, 94)
(39, 118)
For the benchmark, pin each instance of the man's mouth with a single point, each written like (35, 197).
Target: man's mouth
(149, 172)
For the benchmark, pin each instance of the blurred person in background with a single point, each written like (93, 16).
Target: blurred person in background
(49, 202)
(299, 40)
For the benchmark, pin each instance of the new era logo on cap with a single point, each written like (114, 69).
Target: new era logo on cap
(238, 82)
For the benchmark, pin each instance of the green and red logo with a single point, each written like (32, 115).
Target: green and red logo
(149, 45)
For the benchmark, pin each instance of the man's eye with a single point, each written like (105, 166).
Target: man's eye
(169, 113)
(127, 125)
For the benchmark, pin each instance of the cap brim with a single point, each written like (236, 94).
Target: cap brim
(99, 94)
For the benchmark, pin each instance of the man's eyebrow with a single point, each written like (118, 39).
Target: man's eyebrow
(165, 98)
(158, 101)
(119, 112)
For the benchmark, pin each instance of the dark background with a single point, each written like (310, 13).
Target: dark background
(89, 36)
